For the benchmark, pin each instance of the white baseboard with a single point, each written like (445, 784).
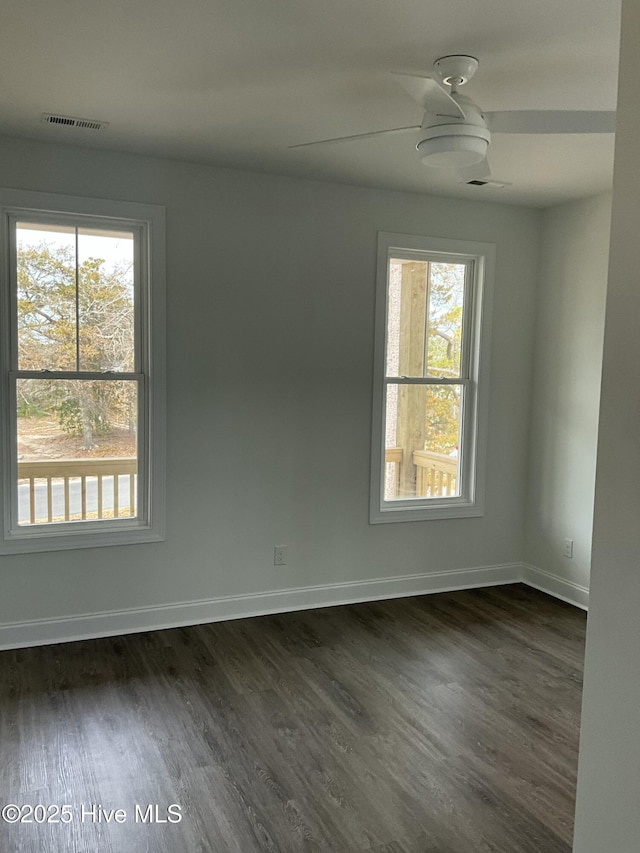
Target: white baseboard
(556, 586)
(108, 624)
(133, 620)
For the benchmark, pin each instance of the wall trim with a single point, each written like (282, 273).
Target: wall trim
(133, 620)
(556, 586)
(40, 632)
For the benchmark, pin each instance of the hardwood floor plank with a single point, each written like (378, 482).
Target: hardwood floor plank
(436, 724)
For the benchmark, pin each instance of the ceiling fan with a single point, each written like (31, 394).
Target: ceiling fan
(455, 134)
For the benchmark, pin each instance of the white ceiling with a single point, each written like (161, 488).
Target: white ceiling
(234, 82)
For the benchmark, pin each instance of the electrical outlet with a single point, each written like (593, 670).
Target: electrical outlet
(568, 549)
(280, 555)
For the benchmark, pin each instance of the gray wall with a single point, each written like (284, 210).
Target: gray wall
(270, 307)
(607, 816)
(567, 365)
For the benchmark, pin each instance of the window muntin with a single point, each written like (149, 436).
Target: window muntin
(429, 418)
(426, 308)
(75, 306)
(83, 361)
(76, 289)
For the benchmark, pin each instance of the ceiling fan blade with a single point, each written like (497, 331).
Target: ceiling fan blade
(551, 121)
(430, 94)
(413, 127)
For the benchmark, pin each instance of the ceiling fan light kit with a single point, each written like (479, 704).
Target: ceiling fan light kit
(454, 141)
(455, 133)
(446, 147)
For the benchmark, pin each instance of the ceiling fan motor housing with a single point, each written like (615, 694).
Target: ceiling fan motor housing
(447, 141)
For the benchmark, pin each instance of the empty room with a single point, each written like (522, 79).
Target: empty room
(318, 414)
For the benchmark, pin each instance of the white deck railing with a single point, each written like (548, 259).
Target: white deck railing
(435, 475)
(72, 489)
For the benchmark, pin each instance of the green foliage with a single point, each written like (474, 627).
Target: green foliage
(30, 408)
(73, 416)
(444, 337)
(442, 419)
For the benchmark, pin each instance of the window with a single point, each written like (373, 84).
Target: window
(430, 395)
(82, 360)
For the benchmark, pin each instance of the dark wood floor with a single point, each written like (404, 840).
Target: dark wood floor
(436, 724)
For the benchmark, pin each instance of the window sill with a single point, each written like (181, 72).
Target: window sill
(33, 541)
(403, 512)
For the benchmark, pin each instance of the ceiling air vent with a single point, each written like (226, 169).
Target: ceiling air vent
(487, 183)
(73, 121)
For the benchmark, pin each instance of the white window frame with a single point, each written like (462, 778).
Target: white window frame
(476, 338)
(148, 222)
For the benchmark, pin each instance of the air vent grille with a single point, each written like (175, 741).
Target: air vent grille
(487, 183)
(73, 121)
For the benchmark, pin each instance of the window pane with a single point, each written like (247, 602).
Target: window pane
(421, 441)
(105, 300)
(444, 335)
(406, 317)
(424, 318)
(46, 297)
(75, 298)
(77, 450)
